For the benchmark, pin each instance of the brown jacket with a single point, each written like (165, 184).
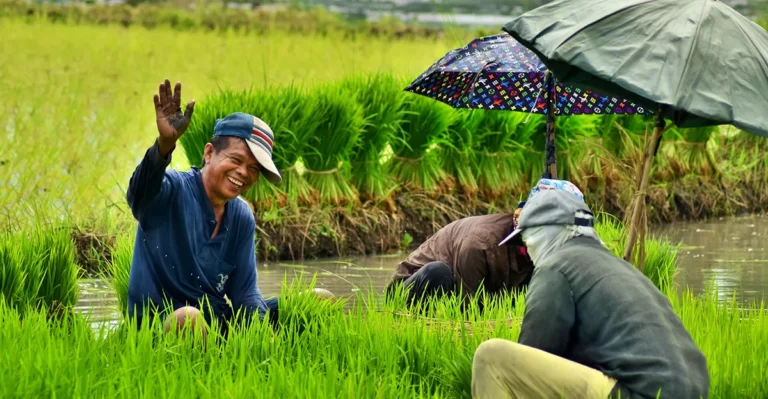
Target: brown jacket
(471, 247)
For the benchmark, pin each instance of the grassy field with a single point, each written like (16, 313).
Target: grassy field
(372, 351)
(322, 349)
(77, 100)
(77, 116)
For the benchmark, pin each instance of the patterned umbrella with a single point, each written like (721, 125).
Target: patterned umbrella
(498, 73)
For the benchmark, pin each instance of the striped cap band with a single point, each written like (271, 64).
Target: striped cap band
(262, 135)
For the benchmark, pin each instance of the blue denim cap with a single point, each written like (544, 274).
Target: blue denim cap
(257, 134)
(552, 202)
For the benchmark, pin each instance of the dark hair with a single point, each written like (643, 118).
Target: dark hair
(219, 143)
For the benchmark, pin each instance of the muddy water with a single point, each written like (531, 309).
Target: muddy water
(729, 254)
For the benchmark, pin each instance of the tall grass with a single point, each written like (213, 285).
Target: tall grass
(38, 269)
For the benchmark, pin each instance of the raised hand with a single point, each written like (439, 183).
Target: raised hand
(171, 122)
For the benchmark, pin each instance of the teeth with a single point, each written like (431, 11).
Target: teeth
(236, 182)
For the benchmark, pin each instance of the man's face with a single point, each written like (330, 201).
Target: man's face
(231, 171)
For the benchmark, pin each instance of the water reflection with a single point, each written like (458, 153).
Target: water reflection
(726, 254)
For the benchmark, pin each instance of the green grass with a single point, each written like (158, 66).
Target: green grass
(38, 269)
(373, 350)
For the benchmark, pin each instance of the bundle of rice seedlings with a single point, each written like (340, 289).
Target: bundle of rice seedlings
(57, 258)
(292, 119)
(616, 132)
(119, 270)
(339, 127)
(506, 155)
(459, 154)
(747, 164)
(575, 136)
(415, 162)
(12, 275)
(38, 269)
(382, 98)
(691, 151)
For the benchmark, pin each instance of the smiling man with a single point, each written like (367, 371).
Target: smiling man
(195, 237)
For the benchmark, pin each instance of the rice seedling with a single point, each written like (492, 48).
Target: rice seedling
(416, 163)
(660, 264)
(373, 350)
(340, 123)
(118, 273)
(574, 136)
(292, 122)
(506, 152)
(382, 100)
(459, 153)
(690, 150)
(38, 269)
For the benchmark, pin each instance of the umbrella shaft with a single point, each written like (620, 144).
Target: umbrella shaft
(639, 200)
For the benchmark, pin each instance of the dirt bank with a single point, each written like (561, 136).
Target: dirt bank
(412, 216)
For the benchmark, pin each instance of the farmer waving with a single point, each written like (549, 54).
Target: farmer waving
(195, 237)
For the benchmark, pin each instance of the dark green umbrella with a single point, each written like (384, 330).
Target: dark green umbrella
(698, 62)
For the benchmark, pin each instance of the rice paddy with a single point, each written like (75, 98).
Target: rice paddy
(366, 168)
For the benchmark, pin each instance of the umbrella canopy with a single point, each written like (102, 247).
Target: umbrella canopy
(498, 73)
(698, 62)
(701, 59)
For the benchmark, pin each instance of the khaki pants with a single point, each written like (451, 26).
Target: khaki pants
(504, 369)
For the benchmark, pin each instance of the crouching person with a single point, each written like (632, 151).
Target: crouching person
(194, 247)
(464, 255)
(593, 327)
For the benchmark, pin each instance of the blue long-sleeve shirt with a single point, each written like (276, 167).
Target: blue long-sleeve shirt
(175, 259)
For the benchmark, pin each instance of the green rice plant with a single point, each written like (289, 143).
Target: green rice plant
(12, 276)
(292, 120)
(339, 126)
(460, 153)
(119, 269)
(689, 148)
(507, 158)
(373, 350)
(382, 100)
(39, 269)
(661, 255)
(613, 130)
(746, 165)
(416, 163)
(574, 138)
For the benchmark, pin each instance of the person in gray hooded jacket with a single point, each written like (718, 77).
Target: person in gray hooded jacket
(594, 326)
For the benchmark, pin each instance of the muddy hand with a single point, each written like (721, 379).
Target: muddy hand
(171, 122)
